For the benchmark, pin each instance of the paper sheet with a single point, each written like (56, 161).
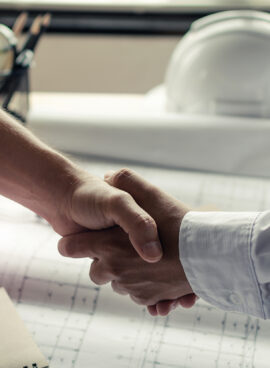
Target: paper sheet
(17, 348)
(78, 325)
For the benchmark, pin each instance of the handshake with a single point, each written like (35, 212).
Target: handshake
(130, 229)
(127, 226)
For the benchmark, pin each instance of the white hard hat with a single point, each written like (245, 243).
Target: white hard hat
(222, 66)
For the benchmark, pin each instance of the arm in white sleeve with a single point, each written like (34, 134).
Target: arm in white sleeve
(226, 258)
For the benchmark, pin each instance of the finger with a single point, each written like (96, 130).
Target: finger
(187, 301)
(136, 300)
(117, 288)
(98, 274)
(79, 245)
(166, 306)
(108, 174)
(139, 225)
(152, 309)
(147, 195)
(92, 244)
(142, 191)
(143, 235)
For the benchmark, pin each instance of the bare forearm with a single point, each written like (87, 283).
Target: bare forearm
(71, 199)
(31, 173)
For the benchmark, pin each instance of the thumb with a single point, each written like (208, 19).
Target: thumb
(145, 194)
(138, 224)
(135, 218)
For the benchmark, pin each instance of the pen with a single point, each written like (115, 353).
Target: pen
(25, 55)
(19, 24)
(38, 27)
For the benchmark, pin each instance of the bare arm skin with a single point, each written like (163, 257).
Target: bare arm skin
(160, 286)
(69, 198)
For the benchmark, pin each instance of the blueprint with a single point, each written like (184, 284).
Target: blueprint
(79, 325)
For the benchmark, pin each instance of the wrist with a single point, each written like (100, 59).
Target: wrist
(52, 188)
(60, 189)
(34, 175)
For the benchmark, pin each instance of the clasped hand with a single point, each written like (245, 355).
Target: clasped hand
(161, 285)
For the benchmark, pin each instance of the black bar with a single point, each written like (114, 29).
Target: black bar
(100, 22)
(113, 22)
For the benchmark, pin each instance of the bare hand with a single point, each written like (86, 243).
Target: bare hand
(160, 286)
(94, 204)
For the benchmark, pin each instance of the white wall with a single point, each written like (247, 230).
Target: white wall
(87, 63)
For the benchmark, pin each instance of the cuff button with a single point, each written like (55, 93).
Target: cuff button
(235, 299)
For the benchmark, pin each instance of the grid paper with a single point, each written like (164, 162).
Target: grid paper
(79, 325)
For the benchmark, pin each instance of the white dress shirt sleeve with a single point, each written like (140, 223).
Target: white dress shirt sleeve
(226, 258)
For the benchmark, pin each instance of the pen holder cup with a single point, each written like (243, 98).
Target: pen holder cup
(14, 94)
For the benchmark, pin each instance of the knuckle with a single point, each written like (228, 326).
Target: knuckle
(66, 247)
(94, 276)
(71, 249)
(119, 198)
(150, 301)
(154, 191)
(114, 270)
(116, 287)
(142, 298)
(121, 177)
(137, 294)
(122, 285)
(143, 221)
(62, 247)
(125, 288)
(137, 300)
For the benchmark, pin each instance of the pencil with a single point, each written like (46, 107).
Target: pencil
(39, 25)
(33, 34)
(20, 24)
(46, 21)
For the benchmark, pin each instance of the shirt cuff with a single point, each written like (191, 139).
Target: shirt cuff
(215, 251)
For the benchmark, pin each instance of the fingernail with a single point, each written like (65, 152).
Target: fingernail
(153, 250)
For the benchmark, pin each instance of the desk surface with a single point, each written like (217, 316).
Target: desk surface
(78, 325)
